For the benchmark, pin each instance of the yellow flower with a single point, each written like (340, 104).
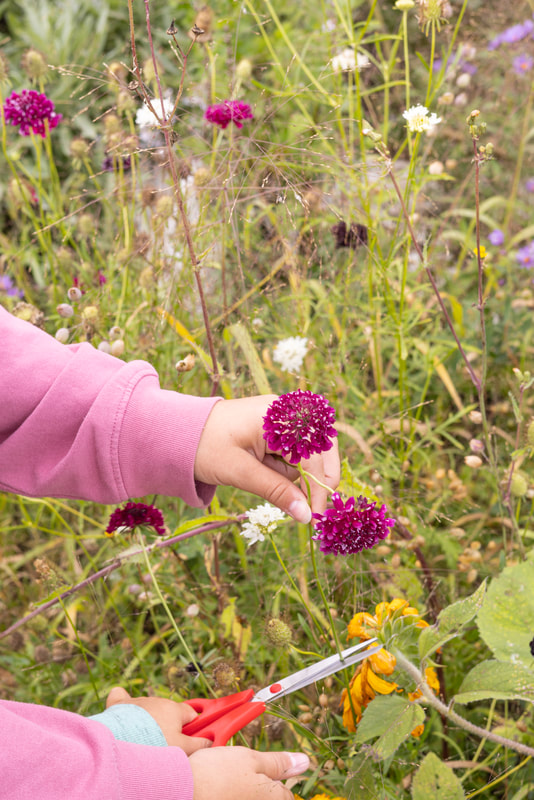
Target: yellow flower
(365, 684)
(483, 252)
(358, 625)
(320, 797)
(418, 731)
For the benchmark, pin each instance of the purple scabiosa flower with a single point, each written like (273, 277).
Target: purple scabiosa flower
(525, 256)
(352, 526)
(136, 515)
(298, 424)
(109, 163)
(223, 114)
(30, 111)
(496, 237)
(7, 286)
(101, 278)
(522, 64)
(529, 184)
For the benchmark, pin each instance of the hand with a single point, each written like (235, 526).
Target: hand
(227, 773)
(170, 716)
(233, 452)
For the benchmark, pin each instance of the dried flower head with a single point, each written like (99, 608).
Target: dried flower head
(222, 114)
(136, 515)
(299, 424)
(31, 112)
(433, 13)
(352, 526)
(34, 64)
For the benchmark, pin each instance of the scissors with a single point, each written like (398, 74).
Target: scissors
(221, 717)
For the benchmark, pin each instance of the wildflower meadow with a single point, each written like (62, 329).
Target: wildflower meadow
(331, 203)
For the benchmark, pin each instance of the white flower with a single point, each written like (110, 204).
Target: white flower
(348, 61)
(289, 353)
(419, 119)
(146, 119)
(261, 521)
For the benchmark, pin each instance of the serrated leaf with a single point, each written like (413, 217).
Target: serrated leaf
(242, 337)
(506, 620)
(450, 622)
(497, 680)
(391, 719)
(360, 785)
(434, 779)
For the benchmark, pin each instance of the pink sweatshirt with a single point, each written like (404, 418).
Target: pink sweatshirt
(75, 422)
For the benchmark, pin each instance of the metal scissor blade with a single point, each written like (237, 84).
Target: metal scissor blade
(317, 671)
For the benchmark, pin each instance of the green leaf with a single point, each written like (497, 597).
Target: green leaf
(242, 337)
(506, 620)
(434, 779)
(497, 680)
(450, 622)
(392, 719)
(361, 780)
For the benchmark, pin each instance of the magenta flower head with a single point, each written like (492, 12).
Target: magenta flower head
(298, 424)
(352, 526)
(136, 515)
(223, 114)
(30, 111)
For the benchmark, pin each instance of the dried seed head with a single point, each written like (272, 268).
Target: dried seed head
(518, 485)
(34, 64)
(79, 149)
(29, 313)
(224, 676)
(202, 28)
(243, 70)
(202, 177)
(90, 314)
(117, 71)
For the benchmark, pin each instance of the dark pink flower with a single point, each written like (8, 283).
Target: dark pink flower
(352, 526)
(30, 111)
(229, 111)
(135, 515)
(298, 424)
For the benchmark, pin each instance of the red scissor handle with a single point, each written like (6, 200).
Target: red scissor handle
(220, 718)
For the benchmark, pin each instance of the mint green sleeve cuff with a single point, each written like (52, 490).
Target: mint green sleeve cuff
(129, 723)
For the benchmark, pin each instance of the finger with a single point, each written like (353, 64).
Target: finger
(332, 466)
(190, 744)
(279, 766)
(253, 476)
(117, 695)
(186, 713)
(282, 467)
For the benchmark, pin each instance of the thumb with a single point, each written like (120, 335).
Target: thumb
(117, 695)
(255, 477)
(279, 766)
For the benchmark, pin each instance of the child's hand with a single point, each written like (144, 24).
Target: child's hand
(233, 452)
(170, 716)
(227, 773)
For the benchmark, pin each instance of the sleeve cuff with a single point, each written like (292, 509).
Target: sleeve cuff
(131, 723)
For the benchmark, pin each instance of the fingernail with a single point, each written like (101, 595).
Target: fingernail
(299, 764)
(300, 511)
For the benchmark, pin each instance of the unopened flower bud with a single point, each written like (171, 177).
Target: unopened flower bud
(34, 64)
(104, 347)
(117, 348)
(115, 332)
(518, 485)
(476, 445)
(79, 149)
(65, 310)
(117, 71)
(243, 70)
(74, 294)
(62, 335)
(446, 99)
(202, 177)
(404, 5)
(435, 168)
(463, 80)
(475, 417)
(475, 462)
(278, 632)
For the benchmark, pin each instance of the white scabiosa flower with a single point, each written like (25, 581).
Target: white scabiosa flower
(148, 122)
(261, 521)
(349, 61)
(289, 353)
(419, 119)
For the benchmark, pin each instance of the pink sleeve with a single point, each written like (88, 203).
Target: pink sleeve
(47, 754)
(75, 422)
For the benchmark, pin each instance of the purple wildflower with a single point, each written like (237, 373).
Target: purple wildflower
(352, 526)
(298, 424)
(525, 256)
(496, 237)
(7, 286)
(515, 33)
(30, 111)
(108, 164)
(135, 515)
(229, 111)
(529, 184)
(522, 64)
(101, 278)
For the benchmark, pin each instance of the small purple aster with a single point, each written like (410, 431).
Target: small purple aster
(298, 424)
(515, 33)
(496, 237)
(30, 111)
(223, 114)
(352, 526)
(7, 286)
(525, 256)
(135, 515)
(522, 64)
(529, 184)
